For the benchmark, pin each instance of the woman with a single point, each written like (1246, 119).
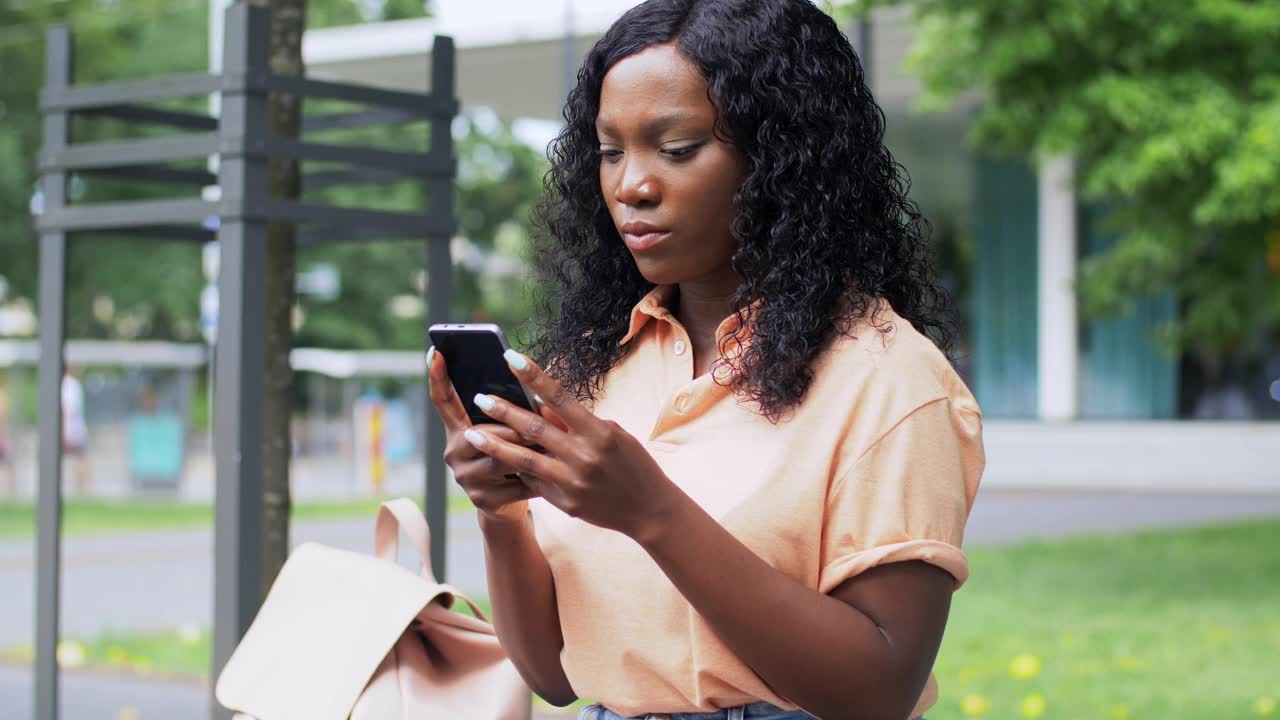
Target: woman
(757, 465)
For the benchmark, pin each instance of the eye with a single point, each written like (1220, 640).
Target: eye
(610, 155)
(678, 153)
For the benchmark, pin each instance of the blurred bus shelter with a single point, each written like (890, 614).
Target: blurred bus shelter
(357, 420)
(137, 405)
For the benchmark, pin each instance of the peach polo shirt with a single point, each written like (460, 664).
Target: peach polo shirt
(879, 463)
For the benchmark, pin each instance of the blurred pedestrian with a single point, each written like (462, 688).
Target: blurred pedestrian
(8, 478)
(75, 432)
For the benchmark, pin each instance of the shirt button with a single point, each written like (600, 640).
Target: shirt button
(679, 348)
(682, 403)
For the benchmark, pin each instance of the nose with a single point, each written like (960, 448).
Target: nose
(636, 185)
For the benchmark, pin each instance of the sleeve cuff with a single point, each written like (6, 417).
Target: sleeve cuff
(935, 552)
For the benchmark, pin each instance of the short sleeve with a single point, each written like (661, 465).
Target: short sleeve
(907, 497)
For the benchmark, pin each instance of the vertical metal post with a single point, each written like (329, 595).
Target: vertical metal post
(568, 52)
(53, 279)
(439, 292)
(239, 362)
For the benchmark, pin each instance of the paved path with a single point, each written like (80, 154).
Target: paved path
(163, 580)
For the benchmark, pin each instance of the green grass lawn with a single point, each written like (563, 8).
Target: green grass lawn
(1164, 625)
(88, 517)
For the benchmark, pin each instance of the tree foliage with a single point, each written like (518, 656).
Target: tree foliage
(112, 295)
(1172, 112)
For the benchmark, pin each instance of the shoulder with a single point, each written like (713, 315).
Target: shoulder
(879, 372)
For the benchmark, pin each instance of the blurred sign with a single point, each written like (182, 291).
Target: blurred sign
(156, 449)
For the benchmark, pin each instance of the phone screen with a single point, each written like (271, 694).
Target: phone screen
(475, 364)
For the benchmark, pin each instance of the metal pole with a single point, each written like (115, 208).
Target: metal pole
(240, 364)
(53, 278)
(439, 294)
(568, 51)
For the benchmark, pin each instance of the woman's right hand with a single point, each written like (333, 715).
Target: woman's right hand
(494, 488)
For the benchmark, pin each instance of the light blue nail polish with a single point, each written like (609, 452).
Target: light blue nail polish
(515, 360)
(484, 402)
(431, 355)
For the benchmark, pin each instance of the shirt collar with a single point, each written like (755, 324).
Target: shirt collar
(654, 305)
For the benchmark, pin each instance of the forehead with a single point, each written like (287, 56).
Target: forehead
(656, 80)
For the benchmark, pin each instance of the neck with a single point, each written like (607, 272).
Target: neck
(704, 303)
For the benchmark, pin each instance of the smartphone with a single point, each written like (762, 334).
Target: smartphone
(473, 354)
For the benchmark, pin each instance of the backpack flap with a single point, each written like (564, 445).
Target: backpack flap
(327, 623)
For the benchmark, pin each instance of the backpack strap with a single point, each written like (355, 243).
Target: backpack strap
(402, 514)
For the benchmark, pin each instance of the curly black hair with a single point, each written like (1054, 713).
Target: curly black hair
(822, 220)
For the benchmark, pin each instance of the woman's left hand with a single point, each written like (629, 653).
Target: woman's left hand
(593, 469)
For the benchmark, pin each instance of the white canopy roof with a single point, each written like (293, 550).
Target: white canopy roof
(510, 53)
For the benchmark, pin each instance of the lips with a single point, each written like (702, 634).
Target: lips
(642, 236)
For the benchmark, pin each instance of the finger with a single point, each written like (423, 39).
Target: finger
(484, 471)
(443, 395)
(554, 396)
(506, 433)
(522, 459)
(497, 495)
(550, 414)
(534, 428)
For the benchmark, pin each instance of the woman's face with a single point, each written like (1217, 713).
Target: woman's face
(668, 180)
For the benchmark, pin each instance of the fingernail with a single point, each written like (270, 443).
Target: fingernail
(431, 355)
(475, 438)
(538, 399)
(484, 402)
(515, 360)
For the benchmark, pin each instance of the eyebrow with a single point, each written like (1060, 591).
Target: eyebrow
(653, 126)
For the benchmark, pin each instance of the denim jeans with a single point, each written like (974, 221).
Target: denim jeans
(754, 711)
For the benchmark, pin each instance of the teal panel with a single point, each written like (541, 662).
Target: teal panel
(155, 446)
(1005, 304)
(1123, 374)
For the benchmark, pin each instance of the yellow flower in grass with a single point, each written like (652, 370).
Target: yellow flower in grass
(974, 705)
(1118, 712)
(1219, 634)
(117, 655)
(1130, 663)
(1025, 666)
(1033, 706)
(1264, 706)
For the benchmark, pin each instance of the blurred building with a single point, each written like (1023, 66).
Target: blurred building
(1009, 237)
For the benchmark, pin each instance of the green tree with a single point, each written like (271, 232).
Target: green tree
(107, 295)
(1172, 113)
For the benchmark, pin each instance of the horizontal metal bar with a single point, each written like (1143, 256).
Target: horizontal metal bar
(130, 152)
(158, 173)
(390, 223)
(420, 104)
(357, 176)
(129, 91)
(410, 164)
(193, 233)
(106, 216)
(313, 235)
(359, 119)
(156, 116)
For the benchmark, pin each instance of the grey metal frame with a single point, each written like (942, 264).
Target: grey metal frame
(242, 138)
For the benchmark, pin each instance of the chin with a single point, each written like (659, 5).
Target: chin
(661, 272)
